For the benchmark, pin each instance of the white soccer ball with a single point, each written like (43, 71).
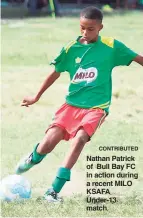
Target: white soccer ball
(15, 188)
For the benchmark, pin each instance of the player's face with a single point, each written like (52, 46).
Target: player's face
(90, 29)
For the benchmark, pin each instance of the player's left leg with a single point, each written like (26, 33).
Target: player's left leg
(63, 174)
(77, 145)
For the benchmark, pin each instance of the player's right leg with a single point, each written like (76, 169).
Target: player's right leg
(53, 136)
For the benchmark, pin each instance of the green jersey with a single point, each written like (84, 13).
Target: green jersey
(90, 68)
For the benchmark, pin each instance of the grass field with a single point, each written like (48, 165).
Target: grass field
(28, 46)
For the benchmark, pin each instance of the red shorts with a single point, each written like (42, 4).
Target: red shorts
(71, 119)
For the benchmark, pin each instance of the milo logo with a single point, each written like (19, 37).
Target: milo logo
(88, 75)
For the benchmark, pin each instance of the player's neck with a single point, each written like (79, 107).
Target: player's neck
(83, 40)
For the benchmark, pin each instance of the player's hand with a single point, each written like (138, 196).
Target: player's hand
(28, 101)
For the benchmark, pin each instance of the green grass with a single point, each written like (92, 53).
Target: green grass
(28, 46)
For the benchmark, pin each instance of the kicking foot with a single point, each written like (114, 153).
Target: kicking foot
(24, 165)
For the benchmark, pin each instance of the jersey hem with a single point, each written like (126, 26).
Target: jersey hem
(84, 107)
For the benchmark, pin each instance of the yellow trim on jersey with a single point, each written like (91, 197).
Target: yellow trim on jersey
(102, 107)
(74, 82)
(109, 41)
(105, 105)
(69, 45)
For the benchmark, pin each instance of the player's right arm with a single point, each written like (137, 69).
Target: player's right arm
(61, 65)
(51, 78)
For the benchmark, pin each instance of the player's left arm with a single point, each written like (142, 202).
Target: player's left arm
(139, 59)
(124, 56)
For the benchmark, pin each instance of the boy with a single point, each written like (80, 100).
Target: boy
(89, 60)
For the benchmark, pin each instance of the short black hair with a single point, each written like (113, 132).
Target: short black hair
(92, 12)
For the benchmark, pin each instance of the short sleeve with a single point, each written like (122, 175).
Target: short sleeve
(123, 56)
(60, 62)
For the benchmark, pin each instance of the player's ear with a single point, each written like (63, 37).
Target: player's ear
(101, 26)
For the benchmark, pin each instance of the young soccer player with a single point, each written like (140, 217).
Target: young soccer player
(89, 60)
